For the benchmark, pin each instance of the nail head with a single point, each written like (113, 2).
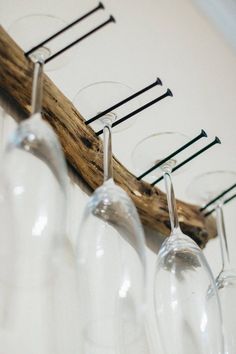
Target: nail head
(101, 6)
(159, 82)
(112, 19)
(169, 93)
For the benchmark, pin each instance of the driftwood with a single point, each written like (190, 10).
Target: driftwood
(83, 150)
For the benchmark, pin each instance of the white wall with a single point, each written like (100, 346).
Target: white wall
(172, 39)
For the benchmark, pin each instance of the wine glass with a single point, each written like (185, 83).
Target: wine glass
(204, 188)
(110, 253)
(34, 136)
(39, 308)
(189, 320)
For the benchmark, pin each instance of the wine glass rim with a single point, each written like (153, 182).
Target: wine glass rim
(208, 173)
(35, 15)
(168, 132)
(156, 135)
(100, 83)
(198, 178)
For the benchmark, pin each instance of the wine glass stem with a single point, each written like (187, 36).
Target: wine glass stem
(107, 152)
(174, 221)
(222, 235)
(37, 88)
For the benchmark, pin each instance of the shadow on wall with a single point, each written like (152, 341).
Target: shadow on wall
(223, 15)
(153, 239)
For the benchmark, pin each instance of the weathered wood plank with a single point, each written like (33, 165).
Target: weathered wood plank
(83, 149)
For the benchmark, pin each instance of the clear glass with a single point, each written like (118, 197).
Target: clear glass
(111, 264)
(39, 309)
(35, 136)
(188, 316)
(212, 184)
(112, 267)
(7, 126)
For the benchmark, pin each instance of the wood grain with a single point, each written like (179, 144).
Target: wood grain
(83, 150)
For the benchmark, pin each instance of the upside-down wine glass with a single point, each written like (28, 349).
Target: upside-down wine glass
(204, 188)
(38, 282)
(189, 321)
(110, 251)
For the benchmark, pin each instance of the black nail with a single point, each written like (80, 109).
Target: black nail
(215, 141)
(185, 146)
(159, 82)
(129, 98)
(121, 120)
(111, 19)
(225, 202)
(218, 197)
(101, 6)
(170, 92)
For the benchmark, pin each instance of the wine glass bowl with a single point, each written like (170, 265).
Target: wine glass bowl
(181, 299)
(36, 259)
(226, 285)
(37, 269)
(111, 264)
(110, 250)
(35, 136)
(34, 152)
(110, 204)
(34, 172)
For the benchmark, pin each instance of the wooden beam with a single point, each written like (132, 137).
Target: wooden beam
(83, 149)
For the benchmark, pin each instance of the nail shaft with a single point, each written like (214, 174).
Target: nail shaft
(225, 202)
(201, 135)
(218, 197)
(216, 141)
(121, 120)
(131, 97)
(100, 6)
(111, 19)
(229, 199)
